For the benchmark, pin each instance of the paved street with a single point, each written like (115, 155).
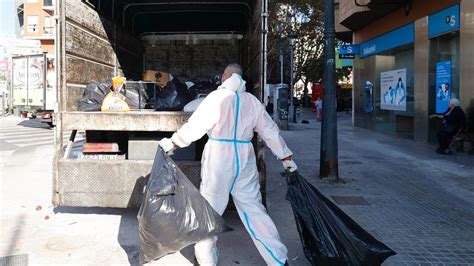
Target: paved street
(419, 203)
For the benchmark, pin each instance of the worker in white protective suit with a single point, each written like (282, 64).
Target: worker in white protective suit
(230, 116)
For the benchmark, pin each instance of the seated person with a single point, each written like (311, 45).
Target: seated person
(453, 120)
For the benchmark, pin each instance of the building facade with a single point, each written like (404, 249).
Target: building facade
(413, 57)
(39, 23)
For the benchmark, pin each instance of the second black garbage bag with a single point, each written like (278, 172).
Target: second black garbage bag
(173, 213)
(329, 236)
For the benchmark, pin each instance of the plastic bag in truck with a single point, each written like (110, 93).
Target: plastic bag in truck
(136, 94)
(329, 236)
(114, 101)
(173, 213)
(94, 95)
(201, 88)
(173, 97)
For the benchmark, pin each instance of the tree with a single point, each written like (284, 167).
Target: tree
(306, 19)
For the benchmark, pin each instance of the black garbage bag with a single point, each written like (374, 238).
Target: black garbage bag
(173, 213)
(202, 87)
(94, 95)
(329, 236)
(173, 97)
(136, 94)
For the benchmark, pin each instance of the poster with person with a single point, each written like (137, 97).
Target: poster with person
(393, 90)
(443, 86)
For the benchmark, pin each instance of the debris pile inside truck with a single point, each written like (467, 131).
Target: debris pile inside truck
(159, 91)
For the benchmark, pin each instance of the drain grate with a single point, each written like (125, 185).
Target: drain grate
(15, 260)
(350, 200)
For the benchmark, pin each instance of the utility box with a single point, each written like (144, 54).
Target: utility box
(280, 104)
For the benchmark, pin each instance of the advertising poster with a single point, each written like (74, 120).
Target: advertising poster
(393, 90)
(28, 79)
(443, 86)
(36, 81)
(20, 95)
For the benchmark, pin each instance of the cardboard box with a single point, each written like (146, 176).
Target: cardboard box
(161, 78)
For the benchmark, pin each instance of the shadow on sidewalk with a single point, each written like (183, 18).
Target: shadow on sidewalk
(35, 123)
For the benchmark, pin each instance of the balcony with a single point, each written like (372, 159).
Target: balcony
(48, 5)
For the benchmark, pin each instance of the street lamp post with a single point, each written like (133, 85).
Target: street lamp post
(328, 158)
(292, 37)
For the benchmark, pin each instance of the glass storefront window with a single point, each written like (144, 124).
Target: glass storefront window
(395, 122)
(444, 48)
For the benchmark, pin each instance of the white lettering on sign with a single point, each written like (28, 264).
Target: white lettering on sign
(451, 20)
(370, 49)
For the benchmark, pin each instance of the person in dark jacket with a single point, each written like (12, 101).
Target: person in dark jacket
(454, 119)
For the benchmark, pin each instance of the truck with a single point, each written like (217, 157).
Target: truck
(97, 40)
(33, 89)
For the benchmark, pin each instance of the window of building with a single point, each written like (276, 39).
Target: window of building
(32, 24)
(48, 25)
(444, 53)
(391, 121)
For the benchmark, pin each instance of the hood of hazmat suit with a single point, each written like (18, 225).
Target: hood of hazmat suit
(230, 116)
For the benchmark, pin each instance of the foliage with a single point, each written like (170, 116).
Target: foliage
(306, 19)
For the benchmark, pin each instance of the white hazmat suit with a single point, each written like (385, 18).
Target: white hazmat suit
(230, 116)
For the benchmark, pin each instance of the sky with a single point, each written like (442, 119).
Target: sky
(7, 15)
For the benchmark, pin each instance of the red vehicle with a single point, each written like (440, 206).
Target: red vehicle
(317, 92)
(343, 95)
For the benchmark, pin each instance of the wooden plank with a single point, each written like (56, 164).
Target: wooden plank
(128, 121)
(83, 71)
(86, 45)
(74, 94)
(83, 15)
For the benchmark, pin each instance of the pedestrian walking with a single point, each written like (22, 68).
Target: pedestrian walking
(319, 109)
(230, 116)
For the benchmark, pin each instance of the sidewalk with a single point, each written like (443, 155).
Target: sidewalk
(420, 203)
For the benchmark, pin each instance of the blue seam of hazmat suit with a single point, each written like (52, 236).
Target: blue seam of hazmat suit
(230, 116)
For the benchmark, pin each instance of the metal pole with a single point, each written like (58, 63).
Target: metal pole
(45, 69)
(328, 158)
(3, 103)
(27, 81)
(281, 66)
(292, 107)
(10, 95)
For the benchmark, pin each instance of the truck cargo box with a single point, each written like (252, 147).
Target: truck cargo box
(192, 40)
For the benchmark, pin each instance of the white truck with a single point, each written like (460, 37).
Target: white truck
(97, 40)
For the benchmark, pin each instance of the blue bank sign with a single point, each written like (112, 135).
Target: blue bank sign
(444, 21)
(401, 36)
(348, 51)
